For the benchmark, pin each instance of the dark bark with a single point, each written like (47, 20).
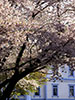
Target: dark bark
(15, 78)
(10, 87)
(4, 83)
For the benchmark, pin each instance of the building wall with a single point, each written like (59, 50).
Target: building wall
(63, 91)
(63, 88)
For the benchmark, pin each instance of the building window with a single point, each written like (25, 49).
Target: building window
(71, 72)
(38, 92)
(55, 90)
(71, 90)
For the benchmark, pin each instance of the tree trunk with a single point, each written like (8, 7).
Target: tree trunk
(9, 88)
(14, 79)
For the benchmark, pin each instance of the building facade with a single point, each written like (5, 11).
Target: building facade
(63, 89)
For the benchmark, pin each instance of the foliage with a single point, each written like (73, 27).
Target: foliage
(30, 83)
(34, 34)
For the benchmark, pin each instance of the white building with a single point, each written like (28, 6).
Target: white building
(56, 90)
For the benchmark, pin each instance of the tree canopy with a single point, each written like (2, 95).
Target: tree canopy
(34, 34)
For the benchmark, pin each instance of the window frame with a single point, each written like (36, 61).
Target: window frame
(73, 90)
(53, 89)
(70, 72)
(39, 91)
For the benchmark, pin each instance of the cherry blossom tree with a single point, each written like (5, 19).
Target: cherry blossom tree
(34, 34)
